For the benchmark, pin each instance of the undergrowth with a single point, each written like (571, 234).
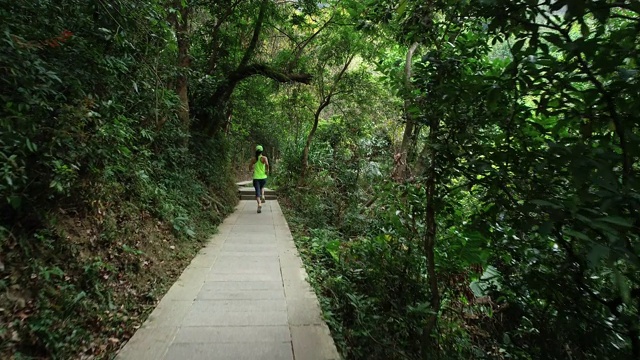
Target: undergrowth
(362, 242)
(79, 277)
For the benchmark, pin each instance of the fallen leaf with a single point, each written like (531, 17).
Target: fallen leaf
(22, 315)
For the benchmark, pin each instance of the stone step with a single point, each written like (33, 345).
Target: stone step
(253, 197)
(252, 191)
(246, 192)
(245, 189)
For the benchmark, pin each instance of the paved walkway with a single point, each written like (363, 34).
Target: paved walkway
(244, 296)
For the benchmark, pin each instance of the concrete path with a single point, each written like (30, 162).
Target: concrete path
(244, 296)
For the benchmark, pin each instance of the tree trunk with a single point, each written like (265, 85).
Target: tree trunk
(428, 345)
(307, 146)
(181, 25)
(423, 162)
(401, 166)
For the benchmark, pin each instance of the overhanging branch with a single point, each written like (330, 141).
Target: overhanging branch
(223, 92)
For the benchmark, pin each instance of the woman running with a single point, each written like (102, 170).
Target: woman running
(260, 165)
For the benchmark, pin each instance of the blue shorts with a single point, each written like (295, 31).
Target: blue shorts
(259, 184)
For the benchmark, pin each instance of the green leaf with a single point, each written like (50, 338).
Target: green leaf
(518, 45)
(546, 204)
(402, 7)
(576, 234)
(81, 295)
(597, 253)
(14, 201)
(623, 286)
(332, 248)
(617, 221)
(31, 146)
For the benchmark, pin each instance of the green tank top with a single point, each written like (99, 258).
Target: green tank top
(259, 170)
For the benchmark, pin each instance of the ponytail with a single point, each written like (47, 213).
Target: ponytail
(258, 153)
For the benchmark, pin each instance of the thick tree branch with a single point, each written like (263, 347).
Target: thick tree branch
(258, 69)
(256, 35)
(265, 70)
(400, 170)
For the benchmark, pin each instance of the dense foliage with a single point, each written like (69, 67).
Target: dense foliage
(512, 231)
(100, 193)
(461, 176)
